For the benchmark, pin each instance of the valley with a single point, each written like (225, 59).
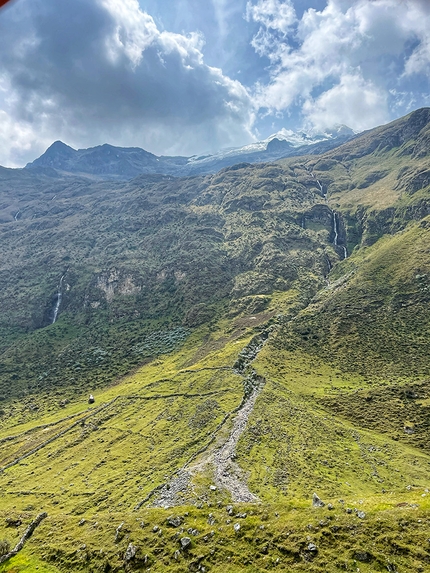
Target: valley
(251, 337)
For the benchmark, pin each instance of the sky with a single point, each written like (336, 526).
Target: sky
(184, 77)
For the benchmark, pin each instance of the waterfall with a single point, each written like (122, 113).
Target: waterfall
(336, 235)
(335, 229)
(317, 181)
(324, 193)
(59, 297)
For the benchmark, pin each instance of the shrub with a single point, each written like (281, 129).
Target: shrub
(4, 547)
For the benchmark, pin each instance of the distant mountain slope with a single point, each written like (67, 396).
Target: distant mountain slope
(106, 161)
(379, 180)
(120, 163)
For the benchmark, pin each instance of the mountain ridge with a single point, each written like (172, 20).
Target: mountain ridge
(120, 163)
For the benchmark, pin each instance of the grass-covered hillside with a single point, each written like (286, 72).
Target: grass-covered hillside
(116, 263)
(239, 364)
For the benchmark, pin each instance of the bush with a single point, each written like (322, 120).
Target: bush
(4, 547)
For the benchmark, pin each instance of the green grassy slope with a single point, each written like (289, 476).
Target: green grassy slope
(140, 261)
(373, 317)
(91, 479)
(212, 315)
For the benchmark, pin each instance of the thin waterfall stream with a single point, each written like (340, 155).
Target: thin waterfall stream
(336, 235)
(59, 298)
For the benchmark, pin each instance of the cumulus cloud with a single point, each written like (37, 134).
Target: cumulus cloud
(350, 102)
(90, 71)
(343, 63)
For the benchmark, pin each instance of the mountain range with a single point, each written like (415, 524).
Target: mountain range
(224, 370)
(119, 163)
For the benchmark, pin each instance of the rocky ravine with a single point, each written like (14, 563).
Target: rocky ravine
(227, 474)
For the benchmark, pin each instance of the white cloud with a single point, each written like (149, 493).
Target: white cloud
(277, 15)
(371, 46)
(353, 101)
(95, 71)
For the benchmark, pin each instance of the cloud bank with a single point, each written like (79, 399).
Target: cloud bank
(90, 71)
(95, 71)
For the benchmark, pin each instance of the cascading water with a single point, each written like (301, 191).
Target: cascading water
(320, 186)
(318, 182)
(335, 229)
(59, 298)
(336, 235)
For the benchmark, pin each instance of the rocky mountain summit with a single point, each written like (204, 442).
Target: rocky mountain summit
(224, 371)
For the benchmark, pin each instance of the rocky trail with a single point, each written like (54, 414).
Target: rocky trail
(227, 474)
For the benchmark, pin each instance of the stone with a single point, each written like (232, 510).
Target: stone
(348, 510)
(212, 487)
(12, 522)
(174, 521)
(130, 552)
(241, 515)
(177, 554)
(236, 527)
(185, 543)
(362, 556)
(118, 532)
(155, 528)
(229, 509)
(316, 501)
(330, 506)
(361, 514)
(82, 522)
(312, 547)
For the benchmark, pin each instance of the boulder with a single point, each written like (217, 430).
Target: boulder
(174, 521)
(316, 501)
(118, 532)
(185, 543)
(130, 552)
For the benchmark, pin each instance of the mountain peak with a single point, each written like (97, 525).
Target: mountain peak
(54, 156)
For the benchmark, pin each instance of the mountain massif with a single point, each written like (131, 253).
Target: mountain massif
(107, 162)
(256, 344)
